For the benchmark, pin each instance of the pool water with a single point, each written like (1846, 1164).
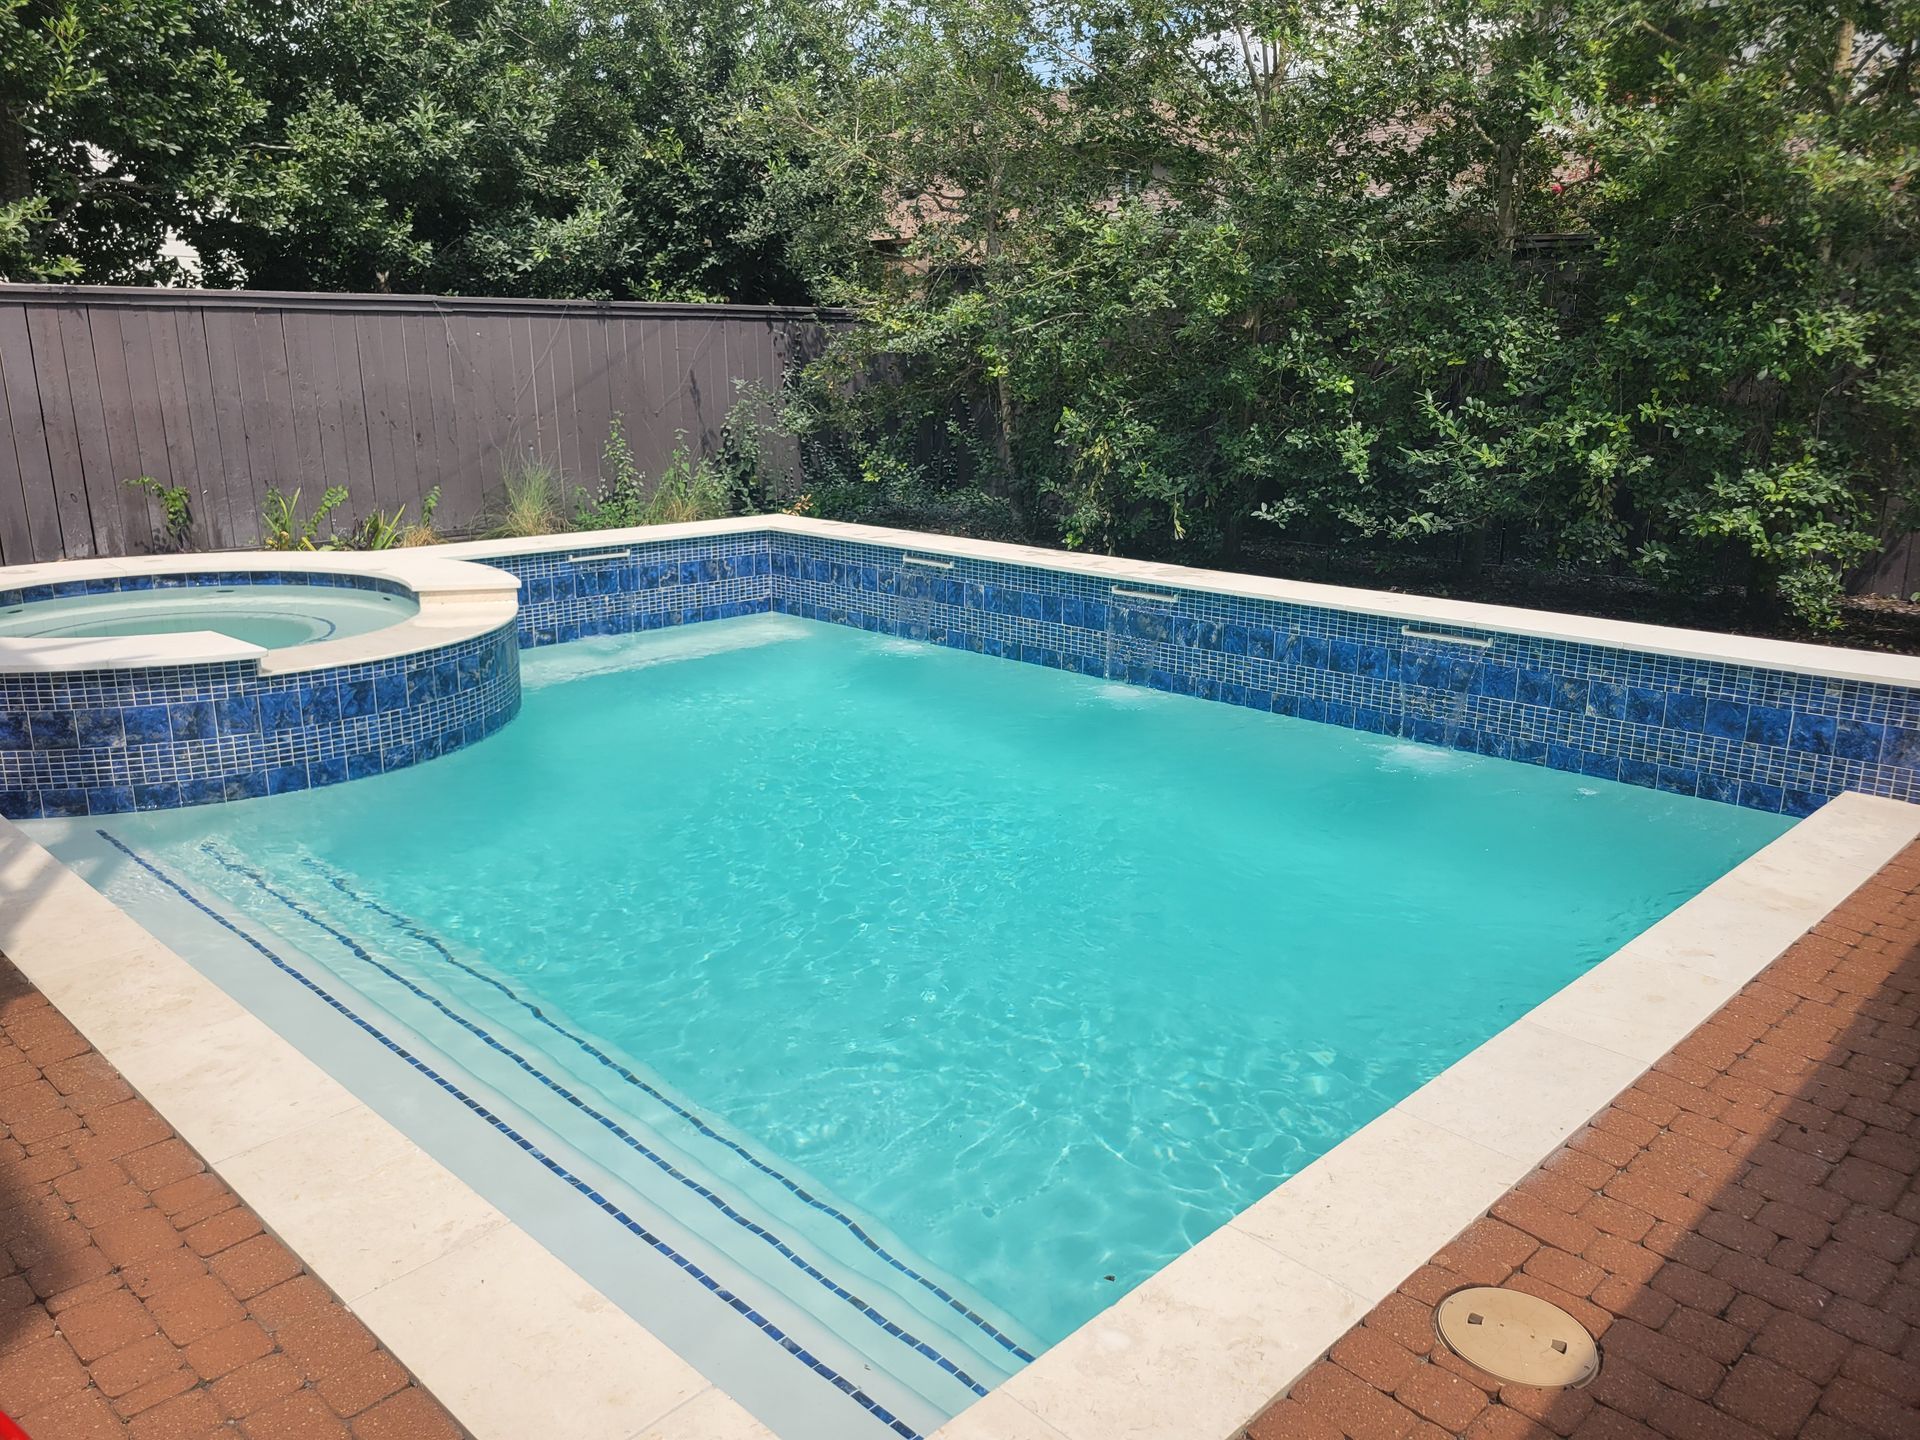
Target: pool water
(273, 616)
(985, 989)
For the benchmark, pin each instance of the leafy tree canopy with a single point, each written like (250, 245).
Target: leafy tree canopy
(503, 147)
(1631, 280)
(1634, 279)
(113, 113)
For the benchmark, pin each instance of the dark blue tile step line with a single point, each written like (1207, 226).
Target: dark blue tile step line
(633, 1226)
(414, 930)
(611, 1126)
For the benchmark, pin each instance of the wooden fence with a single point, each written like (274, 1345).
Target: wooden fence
(231, 393)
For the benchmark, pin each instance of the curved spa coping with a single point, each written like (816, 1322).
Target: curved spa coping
(458, 600)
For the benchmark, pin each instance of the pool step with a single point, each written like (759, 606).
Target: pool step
(772, 1233)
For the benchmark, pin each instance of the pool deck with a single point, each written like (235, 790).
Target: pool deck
(138, 1296)
(1739, 1227)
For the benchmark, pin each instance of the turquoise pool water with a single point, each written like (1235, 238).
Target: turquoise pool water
(986, 989)
(274, 616)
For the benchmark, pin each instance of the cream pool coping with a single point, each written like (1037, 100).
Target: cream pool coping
(458, 601)
(1202, 1347)
(487, 1319)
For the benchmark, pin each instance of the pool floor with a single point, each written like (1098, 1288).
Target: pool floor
(925, 1001)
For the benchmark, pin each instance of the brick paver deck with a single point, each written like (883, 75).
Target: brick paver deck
(138, 1297)
(1739, 1228)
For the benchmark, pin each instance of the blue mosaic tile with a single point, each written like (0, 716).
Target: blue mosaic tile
(1736, 734)
(202, 734)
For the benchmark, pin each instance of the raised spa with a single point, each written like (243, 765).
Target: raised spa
(274, 616)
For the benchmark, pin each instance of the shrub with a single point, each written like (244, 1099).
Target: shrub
(283, 527)
(176, 509)
(531, 501)
(380, 531)
(688, 489)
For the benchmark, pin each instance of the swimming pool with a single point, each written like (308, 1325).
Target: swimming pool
(275, 616)
(864, 1015)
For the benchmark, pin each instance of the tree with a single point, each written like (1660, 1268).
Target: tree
(1631, 280)
(504, 147)
(114, 114)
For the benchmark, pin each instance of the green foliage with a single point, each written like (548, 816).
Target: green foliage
(532, 501)
(1634, 284)
(1636, 281)
(421, 531)
(117, 120)
(621, 499)
(507, 147)
(176, 513)
(688, 489)
(381, 531)
(283, 527)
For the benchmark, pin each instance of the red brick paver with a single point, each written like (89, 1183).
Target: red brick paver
(138, 1297)
(1741, 1228)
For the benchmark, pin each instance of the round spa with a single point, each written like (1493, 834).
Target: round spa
(274, 614)
(147, 684)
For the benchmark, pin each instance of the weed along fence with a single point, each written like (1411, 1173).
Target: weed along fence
(232, 394)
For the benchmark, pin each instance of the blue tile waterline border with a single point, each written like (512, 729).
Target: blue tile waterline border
(102, 742)
(418, 933)
(1770, 739)
(613, 1127)
(707, 1282)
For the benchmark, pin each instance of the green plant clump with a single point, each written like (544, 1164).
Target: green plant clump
(283, 527)
(688, 489)
(380, 531)
(532, 501)
(176, 509)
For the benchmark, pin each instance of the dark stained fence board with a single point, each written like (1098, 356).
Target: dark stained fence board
(31, 466)
(305, 337)
(356, 470)
(1895, 571)
(592, 394)
(276, 398)
(79, 387)
(177, 418)
(237, 489)
(208, 483)
(126, 458)
(382, 364)
(16, 531)
(234, 393)
(467, 485)
(421, 437)
(562, 417)
(264, 468)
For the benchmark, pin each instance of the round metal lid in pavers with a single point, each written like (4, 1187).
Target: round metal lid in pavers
(1517, 1337)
